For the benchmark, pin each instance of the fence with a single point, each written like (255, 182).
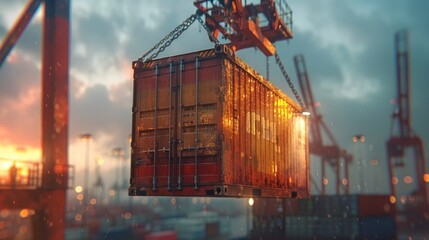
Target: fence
(24, 174)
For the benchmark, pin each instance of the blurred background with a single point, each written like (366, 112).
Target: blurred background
(351, 58)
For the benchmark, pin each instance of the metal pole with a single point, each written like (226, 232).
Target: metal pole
(179, 178)
(169, 127)
(346, 169)
(155, 126)
(323, 177)
(197, 65)
(86, 192)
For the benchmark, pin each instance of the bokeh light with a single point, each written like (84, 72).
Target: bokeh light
(392, 199)
(408, 179)
(78, 217)
(79, 197)
(251, 201)
(325, 181)
(24, 213)
(93, 201)
(78, 189)
(426, 177)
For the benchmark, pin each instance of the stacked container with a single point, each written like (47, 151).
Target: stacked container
(326, 217)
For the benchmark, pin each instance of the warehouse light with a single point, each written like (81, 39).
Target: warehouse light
(306, 113)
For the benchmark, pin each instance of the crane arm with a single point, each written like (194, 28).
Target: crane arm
(19, 27)
(241, 24)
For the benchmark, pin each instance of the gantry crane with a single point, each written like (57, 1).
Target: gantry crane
(49, 198)
(402, 135)
(329, 153)
(248, 25)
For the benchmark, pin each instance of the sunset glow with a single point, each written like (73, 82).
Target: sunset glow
(20, 157)
(12, 152)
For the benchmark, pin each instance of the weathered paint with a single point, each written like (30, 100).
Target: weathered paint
(205, 123)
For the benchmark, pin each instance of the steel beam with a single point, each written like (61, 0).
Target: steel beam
(55, 102)
(331, 152)
(19, 27)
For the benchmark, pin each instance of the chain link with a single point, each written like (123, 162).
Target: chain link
(167, 40)
(209, 32)
(288, 80)
(173, 35)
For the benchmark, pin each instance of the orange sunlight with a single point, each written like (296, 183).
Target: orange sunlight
(12, 152)
(18, 157)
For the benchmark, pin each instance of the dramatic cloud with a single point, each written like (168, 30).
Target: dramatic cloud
(20, 99)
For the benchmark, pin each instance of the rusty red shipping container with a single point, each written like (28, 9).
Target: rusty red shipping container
(207, 124)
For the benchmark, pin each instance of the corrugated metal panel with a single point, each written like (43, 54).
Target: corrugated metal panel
(206, 123)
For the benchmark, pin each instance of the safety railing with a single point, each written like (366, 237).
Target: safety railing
(285, 12)
(24, 174)
(19, 174)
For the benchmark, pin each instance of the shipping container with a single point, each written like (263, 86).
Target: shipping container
(381, 227)
(190, 229)
(207, 124)
(115, 233)
(334, 205)
(325, 217)
(353, 205)
(166, 235)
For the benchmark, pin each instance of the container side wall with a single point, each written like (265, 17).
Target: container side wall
(265, 135)
(206, 123)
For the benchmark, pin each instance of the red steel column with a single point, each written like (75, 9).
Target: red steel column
(55, 117)
(347, 177)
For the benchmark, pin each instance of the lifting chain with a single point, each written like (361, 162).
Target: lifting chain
(209, 32)
(173, 35)
(286, 76)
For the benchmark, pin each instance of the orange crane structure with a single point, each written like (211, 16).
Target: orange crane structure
(47, 196)
(402, 135)
(248, 25)
(329, 153)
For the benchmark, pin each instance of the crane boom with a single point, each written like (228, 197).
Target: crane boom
(403, 81)
(329, 153)
(404, 137)
(19, 27)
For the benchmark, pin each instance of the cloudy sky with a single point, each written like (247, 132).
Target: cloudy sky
(348, 47)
